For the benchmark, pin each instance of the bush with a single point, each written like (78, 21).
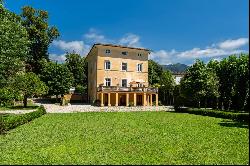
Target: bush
(80, 89)
(8, 121)
(241, 117)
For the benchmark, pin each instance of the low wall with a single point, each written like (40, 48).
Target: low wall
(75, 97)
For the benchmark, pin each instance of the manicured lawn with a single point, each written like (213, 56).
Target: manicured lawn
(126, 138)
(30, 106)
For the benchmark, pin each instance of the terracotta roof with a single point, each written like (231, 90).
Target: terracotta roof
(113, 45)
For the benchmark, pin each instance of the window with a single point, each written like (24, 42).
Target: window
(124, 66)
(139, 54)
(124, 53)
(124, 82)
(139, 67)
(107, 51)
(107, 81)
(107, 65)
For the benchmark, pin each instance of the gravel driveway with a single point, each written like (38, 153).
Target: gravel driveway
(81, 107)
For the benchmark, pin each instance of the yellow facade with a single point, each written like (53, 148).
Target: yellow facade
(135, 59)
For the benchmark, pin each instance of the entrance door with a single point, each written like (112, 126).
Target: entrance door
(106, 99)
(139, 100)
(122, 100)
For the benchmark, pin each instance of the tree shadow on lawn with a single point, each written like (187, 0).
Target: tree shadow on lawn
(230, 123)
(225, 122)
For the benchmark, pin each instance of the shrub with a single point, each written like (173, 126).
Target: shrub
(241, 117)
(8, 121)
(80, 89)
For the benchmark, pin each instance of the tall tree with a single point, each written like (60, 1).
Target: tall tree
(166, 87)
(154, 72)
(28, 85)
(76, 64)
(57, 77)
(227, 74)
(242, 82)
(40, 35)
(14, 45)
(200, 83)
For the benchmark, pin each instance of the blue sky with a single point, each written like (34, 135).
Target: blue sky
(176, 30)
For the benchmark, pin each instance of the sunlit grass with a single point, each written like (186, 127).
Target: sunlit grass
(126, 138)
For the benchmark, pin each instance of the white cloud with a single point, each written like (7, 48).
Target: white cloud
(215, 51)
(163, 57)
(76, 46)
(233, 44)
(94, 36)
(130, 40)
(59, 58)
(208, 52)
(71, 46)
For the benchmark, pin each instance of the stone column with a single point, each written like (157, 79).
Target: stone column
(127, 99)
(134, 99)
(144, 99)
(116, 99)
(102, 100)
(148, 103)
(151, 99)
(109, 100)
(156, 99)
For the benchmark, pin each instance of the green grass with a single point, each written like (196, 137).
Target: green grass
(126, 138)
(30, 106)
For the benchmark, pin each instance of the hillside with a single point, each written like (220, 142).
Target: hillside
(175, 68)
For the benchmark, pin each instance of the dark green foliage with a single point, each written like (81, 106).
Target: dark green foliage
(80, 89)
(166, 87)
(14, 45)
(78, 67)
(28, 85)
(40, 35)
(199, 83)
(57, 77)
(175, 68)
(154, 72)
(223, 85)
(8, 121)
(242, 117)
(233, 73)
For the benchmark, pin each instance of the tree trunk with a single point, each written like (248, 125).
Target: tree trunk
(164, 97)
(205, 103)
(199, 103)
(217, 102)
(229, 104)
(25, 101)
(56, 98)
(246, 99)
(62, 101)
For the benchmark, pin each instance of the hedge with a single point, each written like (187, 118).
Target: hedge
(9, 121)
(241, 117)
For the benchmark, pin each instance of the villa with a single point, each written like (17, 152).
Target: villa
(118, 76)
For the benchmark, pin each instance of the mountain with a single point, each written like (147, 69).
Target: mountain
(175, 68)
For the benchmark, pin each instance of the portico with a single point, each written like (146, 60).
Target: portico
(127, 98)
(132, 96)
